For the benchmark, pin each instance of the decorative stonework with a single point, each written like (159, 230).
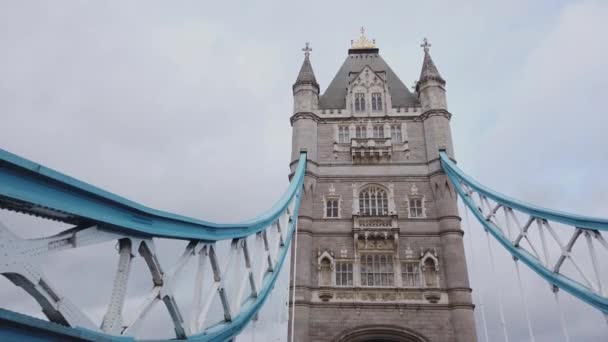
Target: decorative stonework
(375, 244)
(331, 196)
(381, 295)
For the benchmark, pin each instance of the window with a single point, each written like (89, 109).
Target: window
(359, 102)
(373, 202)
(331, 208)
(344, 274)
(410, 274)
(343, 134)
(360, 132)
(416, 207)
(376, 101)
(377, 270)
(378, 131)
(396, 133)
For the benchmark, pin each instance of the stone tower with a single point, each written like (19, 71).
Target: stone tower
(379, 246)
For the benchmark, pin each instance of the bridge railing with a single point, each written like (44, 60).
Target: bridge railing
(237, 265)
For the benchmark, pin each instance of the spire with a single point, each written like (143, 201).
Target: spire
(306, 75)
(429, 70)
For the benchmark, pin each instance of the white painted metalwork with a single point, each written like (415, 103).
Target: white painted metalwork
(229, 275)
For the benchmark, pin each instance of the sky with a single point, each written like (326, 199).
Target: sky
(185, 106)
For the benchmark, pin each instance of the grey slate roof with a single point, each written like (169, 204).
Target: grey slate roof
(429, 70)
(306, 75)
(335, 94)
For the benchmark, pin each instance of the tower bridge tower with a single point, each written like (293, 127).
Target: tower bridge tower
(380, 255)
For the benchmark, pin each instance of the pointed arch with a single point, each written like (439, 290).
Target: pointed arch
(374, 200)
(388, 333)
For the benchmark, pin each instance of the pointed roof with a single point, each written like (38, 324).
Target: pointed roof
(306, 75)
(429, 70)
(335, 94)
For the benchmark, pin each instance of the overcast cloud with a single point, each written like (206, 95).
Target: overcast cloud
(185, 106)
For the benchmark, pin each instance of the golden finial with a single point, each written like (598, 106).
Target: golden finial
(363, 42)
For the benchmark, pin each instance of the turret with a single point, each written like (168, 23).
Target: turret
(304, 137)
(305, 102)
(431, 94)
(437, 135)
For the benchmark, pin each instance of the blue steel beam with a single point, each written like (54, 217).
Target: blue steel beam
(34, 189)
(576, 289)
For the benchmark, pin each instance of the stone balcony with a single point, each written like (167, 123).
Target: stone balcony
(375, 232)
(371, 149)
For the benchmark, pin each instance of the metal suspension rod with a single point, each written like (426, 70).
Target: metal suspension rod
(500, 305)
(293, 288)
(522, 293)
(473, 263)
(524, 302)
(562, 319)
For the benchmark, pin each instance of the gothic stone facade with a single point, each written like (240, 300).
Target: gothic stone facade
(379, 246)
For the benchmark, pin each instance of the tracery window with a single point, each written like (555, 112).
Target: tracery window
(377, 270)
(359, 102)
(360, 132)
(396, 133)
(344, 274)
(376, 101)
(343, 134)
(331, 208)
(416, 208)
(378, 131)
(410, 274)
(373, 201)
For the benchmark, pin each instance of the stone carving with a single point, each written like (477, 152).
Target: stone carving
(345, 295)
(409, 253)
(411, 295)
(325, 294)
(332, 190)
(343, 253)
(432, 296)
(414, 190)
(376, 244)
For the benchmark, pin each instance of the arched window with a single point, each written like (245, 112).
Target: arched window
(359, 102)
(373, 201)
(376, 101)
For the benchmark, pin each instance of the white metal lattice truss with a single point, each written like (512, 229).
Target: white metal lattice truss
(234, 275)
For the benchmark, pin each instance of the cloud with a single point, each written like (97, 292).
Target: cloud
(185, 107)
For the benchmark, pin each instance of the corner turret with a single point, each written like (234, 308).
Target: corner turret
(431, 86)
(306, 88)
(436, 118)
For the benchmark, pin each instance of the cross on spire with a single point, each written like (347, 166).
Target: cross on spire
(425, 44)
(307, 49)
(362, 31)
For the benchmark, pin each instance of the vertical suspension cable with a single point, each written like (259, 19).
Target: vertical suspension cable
(562, 319)
(500, 305)
(522, 293)
(469, 232)
(293, 288)
(524, 302)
